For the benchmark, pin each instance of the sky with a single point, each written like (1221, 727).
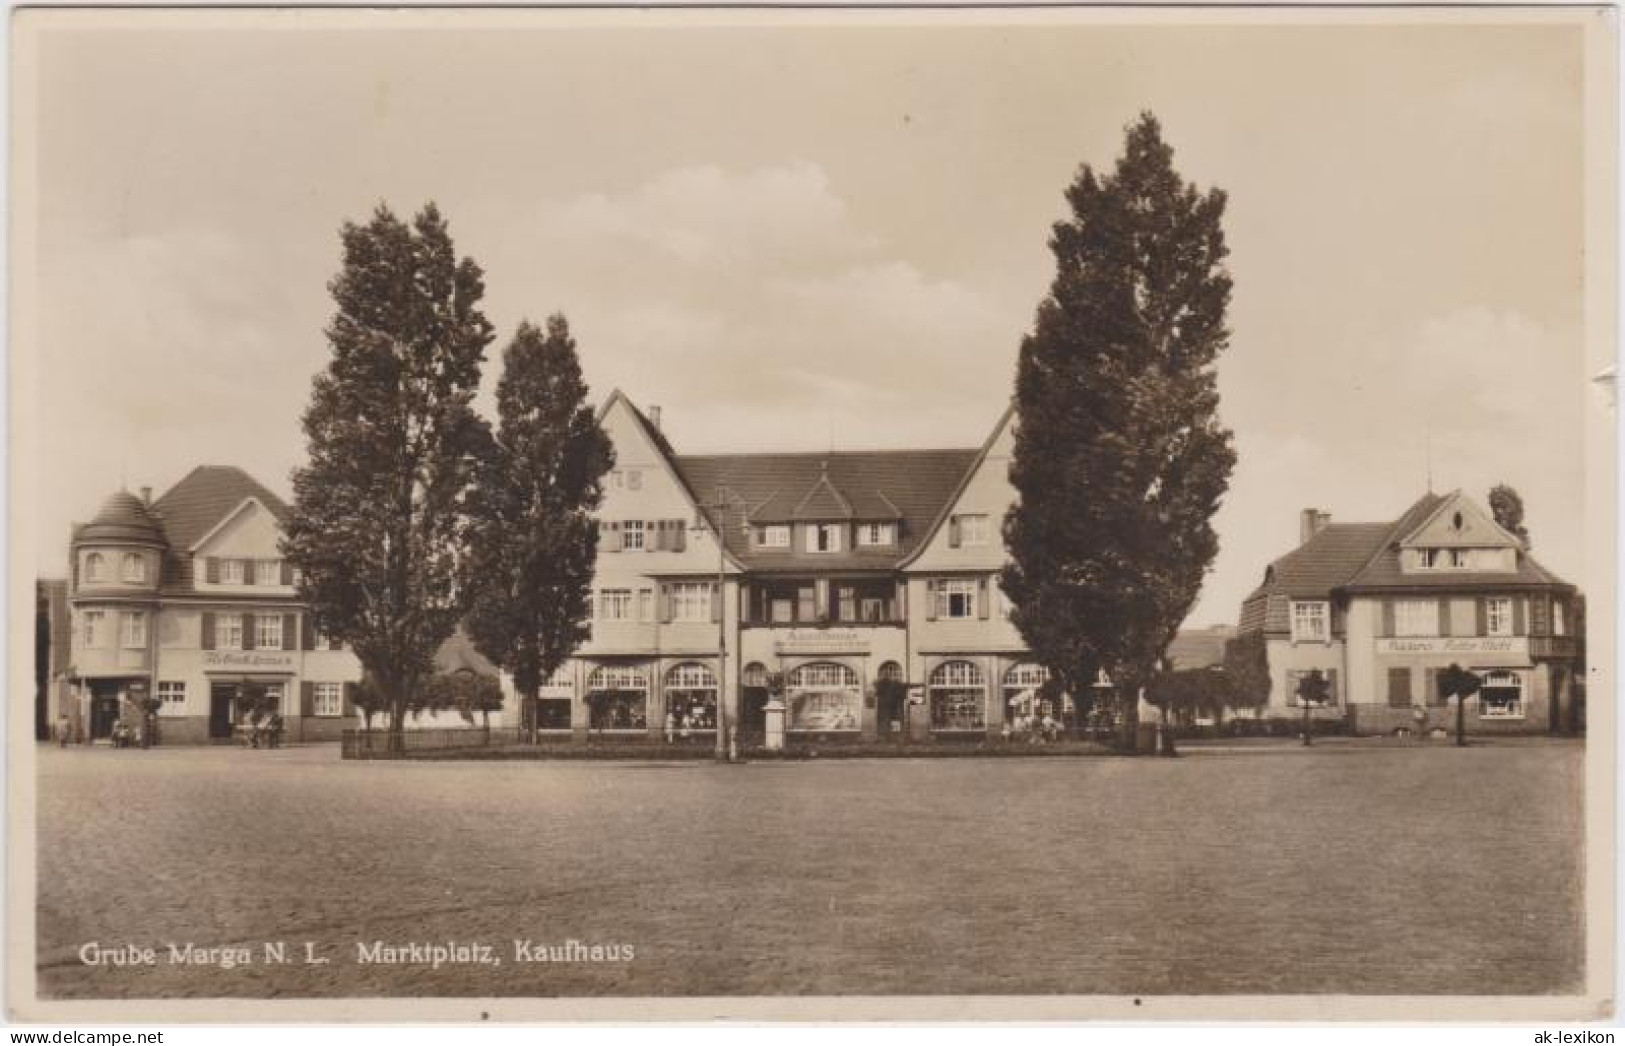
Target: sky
(815, 236)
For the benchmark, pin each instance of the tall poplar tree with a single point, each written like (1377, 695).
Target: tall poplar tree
(534, 536)
(1120, 460)
(378, 524)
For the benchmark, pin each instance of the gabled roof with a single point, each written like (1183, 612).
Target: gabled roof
(458, 654)
(964, 480)
(1365, 557)
(823, 501)
(909, 487)
(1199, 647)
(202, 501)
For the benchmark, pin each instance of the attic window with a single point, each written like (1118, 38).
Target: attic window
(1455, 522)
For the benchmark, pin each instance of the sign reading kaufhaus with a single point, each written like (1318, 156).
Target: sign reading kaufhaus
(249, 659)
(1445, 645)
(822, 641)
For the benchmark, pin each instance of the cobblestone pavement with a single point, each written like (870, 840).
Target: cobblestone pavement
(1385, 870)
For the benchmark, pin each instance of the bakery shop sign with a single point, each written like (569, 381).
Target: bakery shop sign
(1442, 645)
(251, 660)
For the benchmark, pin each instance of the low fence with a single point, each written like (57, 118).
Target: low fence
(416, 744)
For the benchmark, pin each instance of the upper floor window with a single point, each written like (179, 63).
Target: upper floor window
(615, 604)
(228, 632)
(956, 598)
(970, 530)
(634, 479)
(95, 567)
(1311, 621)
(134, 567)
(1416, 617)
(774, 535)
(93, 621)
(1460, 558)
(691, 601)
(231, 571)
(1560, 625)
(268, 572)
(327, 699)
(135, 630)
(1498, 617)
(632, 535)
(824, 537)
(872, 534)
(268, 631)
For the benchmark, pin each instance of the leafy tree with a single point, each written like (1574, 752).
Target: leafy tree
(1247, 666)
(378, 522)
(1120, 461)
(1507, 507)
(1461, 684)
(469, 693)
(1314, 691)
(534, 536)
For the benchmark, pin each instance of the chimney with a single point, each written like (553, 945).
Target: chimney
(654, 416)
(1311, 521)
(146, 496)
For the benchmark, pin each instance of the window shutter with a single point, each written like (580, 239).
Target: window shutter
(307, 632)
(287, 572)
(953, 531)
(744, 603)
(290, 626)
(981, 598)
(307, 698)
(1518, 616)
(1387, 617)
(821, 599)
(248, 572)
(208, 630)
(652, 532)
(1430, 686)
(716, 603)
(349, 699)
(930, 599)
(679, 535)
(609, 536)
(1443, 612)
(665, 604)
(1399, 688)
(248, 631)
(899, 610)
(211, 570)
(1293, 678)
(1332, 696)
(1481, 607)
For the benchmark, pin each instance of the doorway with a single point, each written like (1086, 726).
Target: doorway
(104, 705)
(221, 696)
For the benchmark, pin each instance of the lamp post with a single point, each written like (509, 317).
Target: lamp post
(722, 500)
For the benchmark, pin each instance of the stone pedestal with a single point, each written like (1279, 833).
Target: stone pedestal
(774, 714)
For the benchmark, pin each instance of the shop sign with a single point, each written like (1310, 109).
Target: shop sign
(248, 659)
(1442, 645)
(822, 641)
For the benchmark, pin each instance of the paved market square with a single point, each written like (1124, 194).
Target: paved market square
(1350, 868)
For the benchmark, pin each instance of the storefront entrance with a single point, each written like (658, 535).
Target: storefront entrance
(221, 696)
(104, 704)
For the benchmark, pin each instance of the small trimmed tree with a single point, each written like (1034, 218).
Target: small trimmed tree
(1314, 691)
(1247, 666)
(1459, 683)
(533, 533)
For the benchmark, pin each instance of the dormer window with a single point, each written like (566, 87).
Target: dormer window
(95, 567)
(774, 535)
(871, 535)
(134, 568)
(824, 537)
(231, 571)
(971, 529)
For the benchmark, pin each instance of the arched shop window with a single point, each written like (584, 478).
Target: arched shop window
(824, 696)
(691, 697)
(1022, 692)
(1501, 696)
(958, 697)
(890, 672)
(618, 698)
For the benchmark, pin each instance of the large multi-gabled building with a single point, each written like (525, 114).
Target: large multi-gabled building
(837, 570)
(1381, 608)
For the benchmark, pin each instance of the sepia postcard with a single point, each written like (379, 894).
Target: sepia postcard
(801, 513)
